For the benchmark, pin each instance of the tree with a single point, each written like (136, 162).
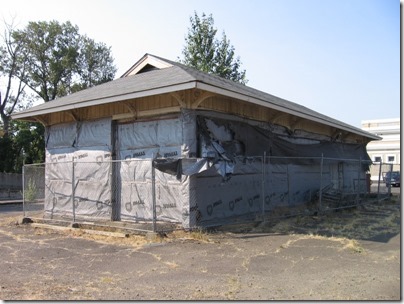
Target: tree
(95, 66)
(51, 52)
(206, 53)
(25, 144)
(13, 69)
(61, 61)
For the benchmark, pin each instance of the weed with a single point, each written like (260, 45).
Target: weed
(31, 192)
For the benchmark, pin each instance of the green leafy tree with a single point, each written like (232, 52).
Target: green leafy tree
(7, 159)
(203, 51)
(61, 61)
(53, 60)
(51, 51)
(28, 143)
(95, 65)
(25, 144)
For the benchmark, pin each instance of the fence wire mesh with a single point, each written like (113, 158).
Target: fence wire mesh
(191, 193)
(33, 189)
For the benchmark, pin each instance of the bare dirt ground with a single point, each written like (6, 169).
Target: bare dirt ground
(347, 255)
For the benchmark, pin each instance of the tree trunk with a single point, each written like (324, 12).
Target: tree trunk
(6, 124)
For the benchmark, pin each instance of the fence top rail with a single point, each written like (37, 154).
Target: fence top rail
(320, 157)
(35, 165)
(196, 159)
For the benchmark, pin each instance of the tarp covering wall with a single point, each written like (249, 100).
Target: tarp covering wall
(173, 137)
(136, 193)
(140, 141)
(253, 188)
(89, 144)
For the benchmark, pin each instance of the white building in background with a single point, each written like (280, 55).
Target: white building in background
(386, 150)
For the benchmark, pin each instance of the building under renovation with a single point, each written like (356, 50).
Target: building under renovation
(219, 149)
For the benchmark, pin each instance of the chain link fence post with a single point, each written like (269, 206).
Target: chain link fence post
(390, 177)
(23, 191)
(154, 194)
(320, 207)
(378, 181)
(263, 186)
(73, 194)
(358, 191)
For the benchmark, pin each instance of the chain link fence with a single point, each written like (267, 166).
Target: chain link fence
(379, 176)
(33, 184)
(162, 195)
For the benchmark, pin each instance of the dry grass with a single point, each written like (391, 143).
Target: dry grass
(135, 241)
(197, 235)
(353, 245)
(345, 243)
(7, 221)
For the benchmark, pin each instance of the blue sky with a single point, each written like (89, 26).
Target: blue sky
(340, 58)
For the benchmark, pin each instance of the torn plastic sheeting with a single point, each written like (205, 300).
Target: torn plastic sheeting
(194, 166)
(256, 140)
(178, 167)
(220, 150)
(191, 167)
(224, 168)
(242, 166)
(222, 161)
(173, 167)
(219, 132)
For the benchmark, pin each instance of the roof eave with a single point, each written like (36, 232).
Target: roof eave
(116, 98)
(268, 104)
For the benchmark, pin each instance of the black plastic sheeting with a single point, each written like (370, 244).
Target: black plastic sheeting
(170, 166)
(248, 140)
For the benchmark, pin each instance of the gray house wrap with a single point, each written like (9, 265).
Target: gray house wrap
(206, 137)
